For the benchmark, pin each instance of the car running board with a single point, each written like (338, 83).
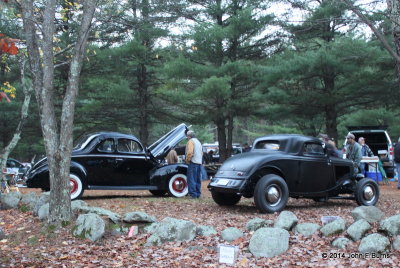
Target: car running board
(145, 187)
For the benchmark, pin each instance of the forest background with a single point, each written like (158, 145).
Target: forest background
(234, 70)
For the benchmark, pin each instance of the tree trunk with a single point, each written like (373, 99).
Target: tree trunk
(58, 141)
(394, 11)
(221, 140)
(5, 152)
(331, 121)
(143, 99)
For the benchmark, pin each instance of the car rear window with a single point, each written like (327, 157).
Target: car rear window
(269, 145)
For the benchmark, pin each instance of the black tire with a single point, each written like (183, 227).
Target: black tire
(77, 186)
(158, 192)
(177, 185)
(225, 199)
(366, 192)
(271, 194)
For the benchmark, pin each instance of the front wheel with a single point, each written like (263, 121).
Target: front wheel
(177, 185)
(76, 186)
(271, 194)
(225, 199)
(366, 192)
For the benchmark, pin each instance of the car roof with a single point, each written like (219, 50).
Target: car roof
(110, 134)
(289, 142)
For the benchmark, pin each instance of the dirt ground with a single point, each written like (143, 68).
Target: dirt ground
(31, 243)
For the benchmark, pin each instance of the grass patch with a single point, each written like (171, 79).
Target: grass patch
(24, 208)
(33, 240)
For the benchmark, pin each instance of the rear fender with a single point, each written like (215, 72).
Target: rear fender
(160, 175)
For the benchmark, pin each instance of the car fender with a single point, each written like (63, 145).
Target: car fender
(39, 177)
(161, 174)
(257, 173)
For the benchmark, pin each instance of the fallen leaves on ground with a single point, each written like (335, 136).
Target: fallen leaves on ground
(30, 243)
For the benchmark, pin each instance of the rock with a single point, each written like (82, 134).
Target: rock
(396, 243)
(369, 213)
(391, 225)
(170, 229)
(203, 230)
(43, 212)
(306, 229)
(10, 200)
(79, 205)
(90, 226)
(257, 223)
(138, 217)
(118, 230)
(151, 228)
(286, 220)
(340, 242)
(269, 242)
(30, 199)
(43, 199)
(335, 227)
(357, 230)
(114, 217)
(231, 234)
(2, 234)
(374, 243)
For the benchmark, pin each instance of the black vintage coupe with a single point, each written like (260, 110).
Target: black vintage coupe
(115, 161)
(283, 166)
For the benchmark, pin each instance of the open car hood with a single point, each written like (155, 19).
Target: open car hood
(162, 146)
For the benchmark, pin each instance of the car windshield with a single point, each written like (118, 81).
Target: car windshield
(269, 145)
(83, 140)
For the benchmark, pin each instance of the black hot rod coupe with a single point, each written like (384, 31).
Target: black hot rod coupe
(115, 161)
(283, 166)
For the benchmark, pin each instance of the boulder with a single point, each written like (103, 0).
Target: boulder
(10, 200)
(43, 212)
(391, 225)
(257, 223)
(90, 226)
(114, 217)
(396, 243)
(30, 199)
(203, 230)
(335, 227)
(118, 230)
(170, 229)
(286, 220)
(2, 234)
(269, 242)
(306, 229)
(43, 199)
(231, 234)
(357, 230)
(151, 228)
(138, 217)
(78, 205)
(369, 213)
(376, 243)
(340, 242)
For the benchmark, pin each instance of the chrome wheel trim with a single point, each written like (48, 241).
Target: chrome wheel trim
(369, 193)
(273, 195)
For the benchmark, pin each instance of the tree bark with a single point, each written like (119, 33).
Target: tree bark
(57, 140)
(394, 11)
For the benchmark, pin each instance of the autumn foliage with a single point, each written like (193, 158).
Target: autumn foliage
(7, 45)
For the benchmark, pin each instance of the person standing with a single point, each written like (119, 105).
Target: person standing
(365, 151)
(353, 151)
(172, 157)
(194, 157)
(397, 161)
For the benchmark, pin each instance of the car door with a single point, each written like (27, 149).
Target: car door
(131, 164)
(315, 169)
(100, 163)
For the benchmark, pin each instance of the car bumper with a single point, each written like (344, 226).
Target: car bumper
(227, 185)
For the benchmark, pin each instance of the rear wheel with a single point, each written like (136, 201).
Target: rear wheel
(271, 194)
(177, 185)
(76, 186)
(366, 192)
(225, 199)
(158, 192)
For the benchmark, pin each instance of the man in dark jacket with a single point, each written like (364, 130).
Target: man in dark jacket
(397, 161)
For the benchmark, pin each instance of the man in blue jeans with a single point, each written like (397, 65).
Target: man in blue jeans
(397, 161)
(194, 157)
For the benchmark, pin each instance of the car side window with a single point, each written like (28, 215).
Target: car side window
(314, 149)
(269, 145)
(128, 146)
(107, 146)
